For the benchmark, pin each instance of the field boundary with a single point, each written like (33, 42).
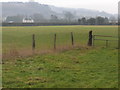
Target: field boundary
(91, 40)
(106, 40)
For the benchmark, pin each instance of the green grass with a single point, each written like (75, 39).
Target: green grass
(21, 37)
(78, 68)
(82, 67)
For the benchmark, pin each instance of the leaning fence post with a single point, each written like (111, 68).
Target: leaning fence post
(33, 42)
(90, 39)
(72, 38)
(54, 41)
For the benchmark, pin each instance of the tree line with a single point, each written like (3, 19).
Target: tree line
(96, 21)
(67, 18)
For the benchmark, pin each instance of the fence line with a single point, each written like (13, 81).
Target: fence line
(105, 36)
(106, 40)
(91, 40)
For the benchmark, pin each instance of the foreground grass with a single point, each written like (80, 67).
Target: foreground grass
(78, 68)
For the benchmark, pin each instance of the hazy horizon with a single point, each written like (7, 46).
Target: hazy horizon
(105, 5)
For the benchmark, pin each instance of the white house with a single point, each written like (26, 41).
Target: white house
(4, 19)
(28, 20)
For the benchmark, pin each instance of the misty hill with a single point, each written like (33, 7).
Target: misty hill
(30, 8)
(81, 12)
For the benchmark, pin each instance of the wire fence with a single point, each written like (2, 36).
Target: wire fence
(108, 41)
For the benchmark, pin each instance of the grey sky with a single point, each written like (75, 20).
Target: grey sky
(110, 6)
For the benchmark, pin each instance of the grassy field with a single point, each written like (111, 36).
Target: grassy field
(19, 39)
(79, 67)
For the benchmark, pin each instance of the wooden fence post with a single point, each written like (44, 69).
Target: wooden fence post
(55, 41)
(33, 42)
(93, 42)
(72, 38)
(90, 39)
(106, 43)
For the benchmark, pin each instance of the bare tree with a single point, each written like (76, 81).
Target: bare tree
(38, 17)
(54, 18)
(68, 16)
(112, 20)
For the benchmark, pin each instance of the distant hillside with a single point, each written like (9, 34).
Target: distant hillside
(30, 8)
(80, 12)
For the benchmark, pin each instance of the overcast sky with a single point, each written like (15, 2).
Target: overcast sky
(110, 6)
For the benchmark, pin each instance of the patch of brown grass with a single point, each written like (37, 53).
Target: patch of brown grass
(14, 52)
